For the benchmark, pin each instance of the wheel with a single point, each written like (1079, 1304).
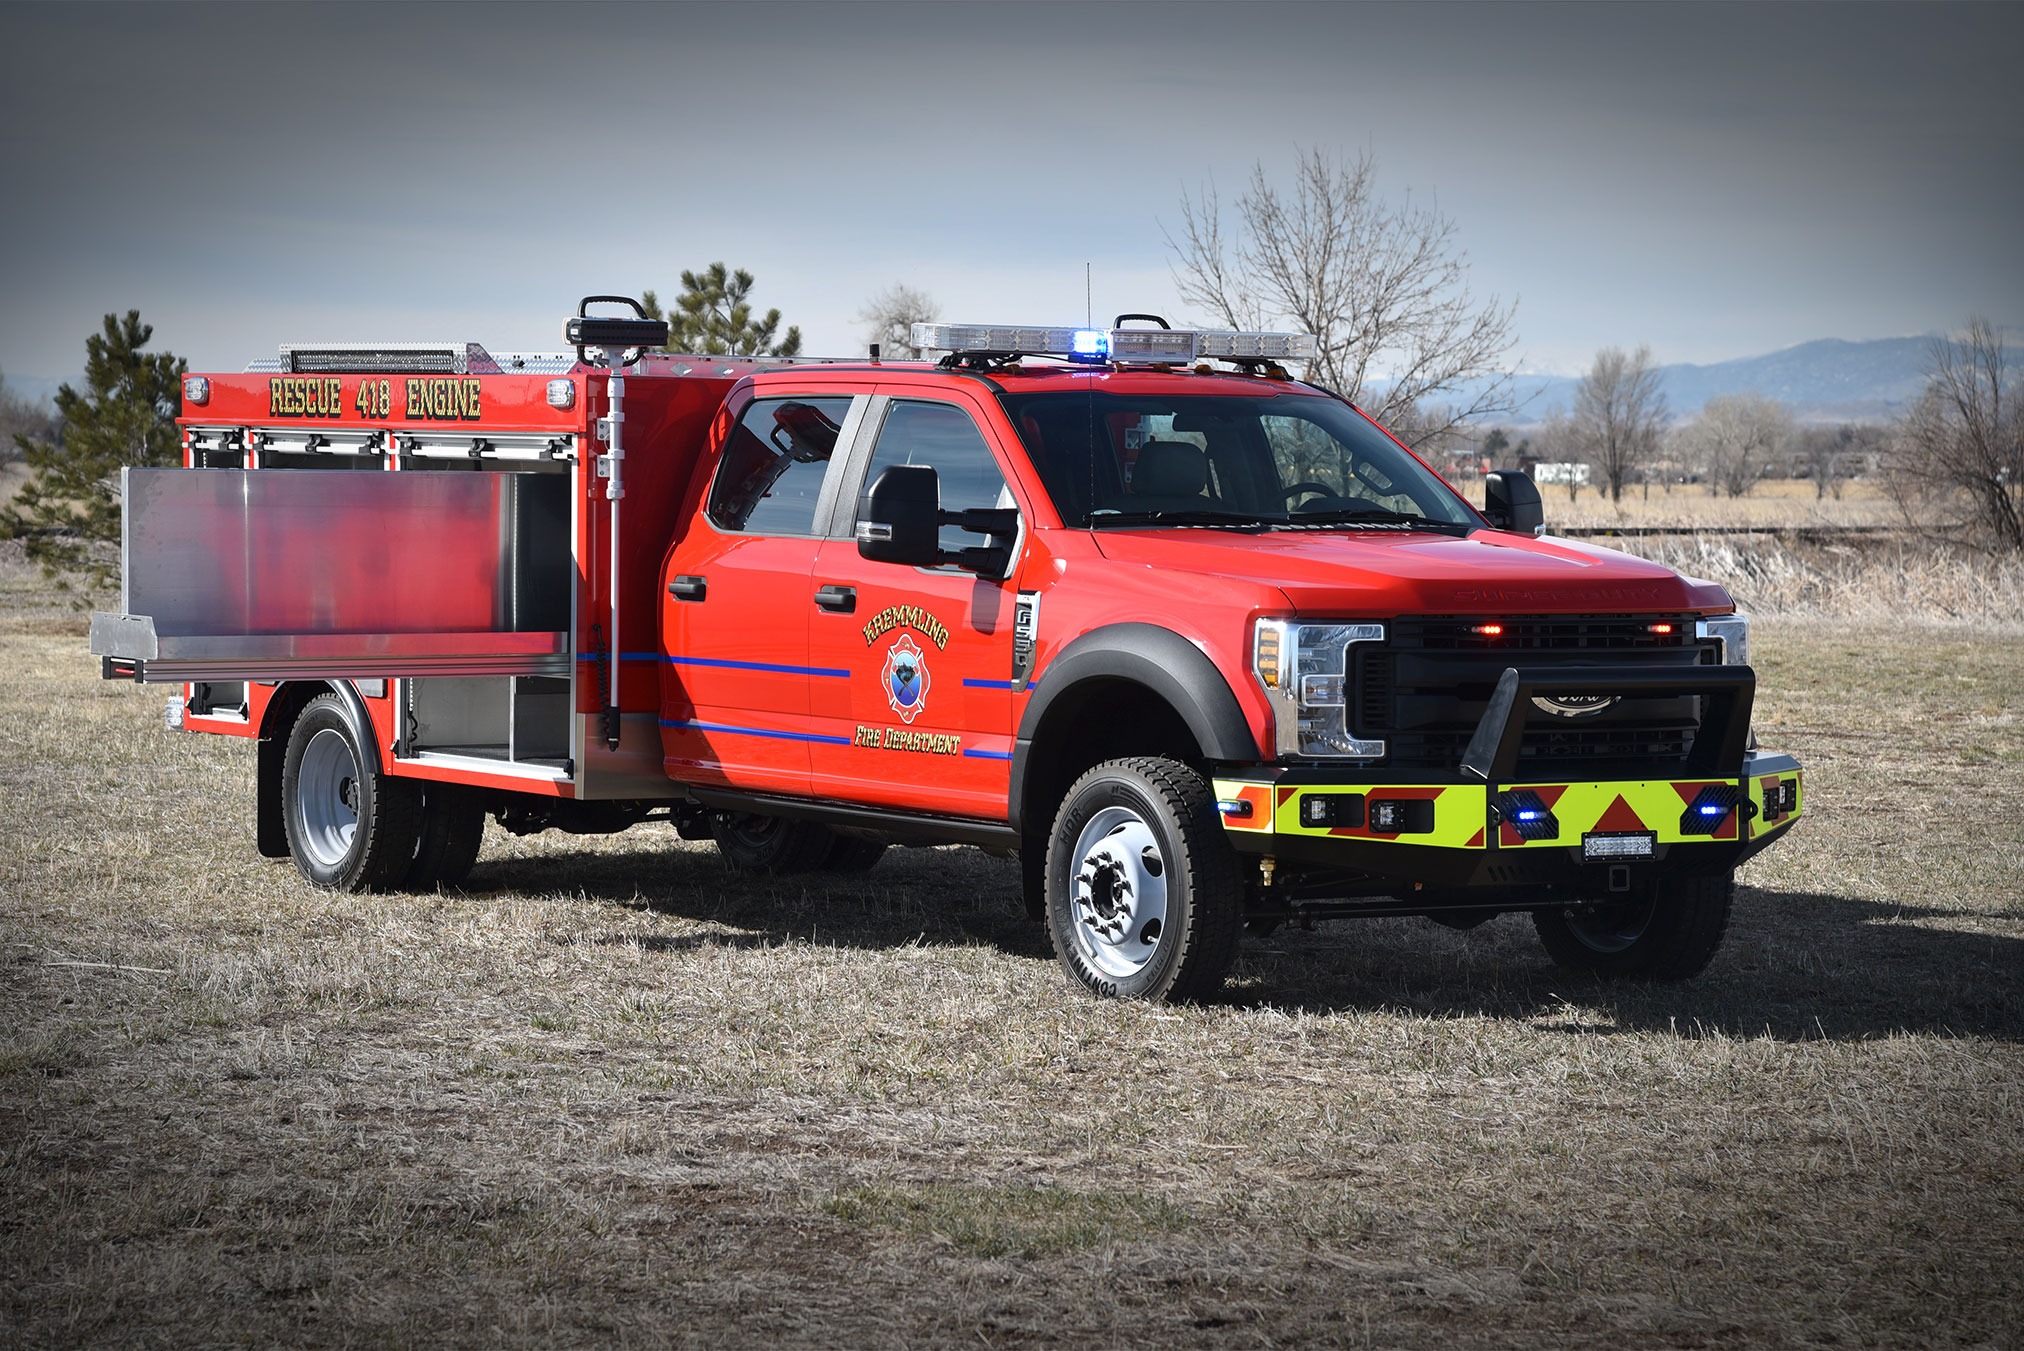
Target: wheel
(1669, 933)
(350, 827)
(452, 828)
(770, 844)
(852, 854)
(1143, 896)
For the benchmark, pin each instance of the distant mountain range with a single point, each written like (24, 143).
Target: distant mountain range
(1824, 381)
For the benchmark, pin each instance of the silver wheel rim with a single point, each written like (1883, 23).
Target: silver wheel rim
(326, 798)
(1613, 927)
(1120, 892)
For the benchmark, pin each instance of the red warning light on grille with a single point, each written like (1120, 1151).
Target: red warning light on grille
(1661, 628)
(1489, 630)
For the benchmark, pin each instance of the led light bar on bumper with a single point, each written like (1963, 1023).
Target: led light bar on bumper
(1304, 669)
(1122, 346)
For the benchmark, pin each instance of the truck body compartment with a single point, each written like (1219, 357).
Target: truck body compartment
(236, 574)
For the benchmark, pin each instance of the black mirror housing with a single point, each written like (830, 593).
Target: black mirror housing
(899, 517)
(1511, 502)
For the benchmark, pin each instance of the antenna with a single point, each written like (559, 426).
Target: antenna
(1089, 304)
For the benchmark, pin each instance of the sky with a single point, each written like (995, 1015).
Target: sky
(1715, 180)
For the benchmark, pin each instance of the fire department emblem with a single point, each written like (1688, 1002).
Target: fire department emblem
(906, 678)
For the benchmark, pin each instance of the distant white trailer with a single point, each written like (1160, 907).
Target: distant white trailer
(1561, 471)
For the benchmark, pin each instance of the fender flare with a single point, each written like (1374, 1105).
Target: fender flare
(1164, 663)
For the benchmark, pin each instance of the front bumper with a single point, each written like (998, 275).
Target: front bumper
(1470, 833)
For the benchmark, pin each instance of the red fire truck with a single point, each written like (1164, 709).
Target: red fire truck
(1199, 643)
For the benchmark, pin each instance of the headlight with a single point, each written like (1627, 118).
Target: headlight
(1732, 632)
(1305, 671)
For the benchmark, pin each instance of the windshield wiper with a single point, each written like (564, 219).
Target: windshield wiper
(1373, 516)
(1222, 520)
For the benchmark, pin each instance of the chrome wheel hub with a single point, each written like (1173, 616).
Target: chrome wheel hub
(326, 798)
(1120, 892)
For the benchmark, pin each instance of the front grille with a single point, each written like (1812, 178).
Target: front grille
(1544, 633)
(1424, 690)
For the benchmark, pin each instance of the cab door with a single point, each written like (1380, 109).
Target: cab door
(735, 670)
(923, 721)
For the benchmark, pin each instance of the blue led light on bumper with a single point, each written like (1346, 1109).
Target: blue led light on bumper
(1709, 809)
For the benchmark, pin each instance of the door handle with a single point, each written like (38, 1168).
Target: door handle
(689, 588)
(839, 600)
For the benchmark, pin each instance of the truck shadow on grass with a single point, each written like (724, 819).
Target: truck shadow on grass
(1797, 966)
(913, 896)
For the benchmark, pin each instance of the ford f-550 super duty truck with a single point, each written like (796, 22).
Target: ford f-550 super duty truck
(1201, 644)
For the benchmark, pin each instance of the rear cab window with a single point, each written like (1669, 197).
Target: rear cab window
(770, 477)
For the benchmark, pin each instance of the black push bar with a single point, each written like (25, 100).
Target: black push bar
(1727, 693)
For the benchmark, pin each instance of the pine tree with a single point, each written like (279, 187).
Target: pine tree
(712, 315)
(125, 416)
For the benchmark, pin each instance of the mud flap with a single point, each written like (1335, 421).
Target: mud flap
(270, 832)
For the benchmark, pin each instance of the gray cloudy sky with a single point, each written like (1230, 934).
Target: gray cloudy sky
(1716, 180)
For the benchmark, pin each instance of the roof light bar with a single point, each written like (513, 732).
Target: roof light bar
(1123, 346)
(1255, 346)
(1004, 340)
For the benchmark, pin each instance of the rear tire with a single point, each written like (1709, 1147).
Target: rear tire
(350, 827)
(1671, 933)
(452, 830)
(1144, 899)
(770, 844)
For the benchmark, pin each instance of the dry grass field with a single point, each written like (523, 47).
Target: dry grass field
(612, 1095)
(1770, 503)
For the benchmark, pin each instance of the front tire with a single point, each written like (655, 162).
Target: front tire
(1669, 933)
(350, 827)
(1144, 899)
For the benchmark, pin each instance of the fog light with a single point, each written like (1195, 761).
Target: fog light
(1401, 816)
(1326, 811)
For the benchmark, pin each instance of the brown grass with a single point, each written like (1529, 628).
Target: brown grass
(615, 1095)
(1770, 503)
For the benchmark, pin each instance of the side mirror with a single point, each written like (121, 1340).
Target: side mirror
(1511, 502)
(898, 518)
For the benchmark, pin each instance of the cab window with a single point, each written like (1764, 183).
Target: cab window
(944, 438)
(770, 477)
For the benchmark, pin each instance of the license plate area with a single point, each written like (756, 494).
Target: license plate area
(1618, 844)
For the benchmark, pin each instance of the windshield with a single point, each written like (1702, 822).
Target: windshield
(1266, 461)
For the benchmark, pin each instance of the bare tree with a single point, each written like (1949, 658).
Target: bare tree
(1383, 289)
(1829, 455)
(1961, 447)
(889, 318)
(1619, 411)
(1737, 436)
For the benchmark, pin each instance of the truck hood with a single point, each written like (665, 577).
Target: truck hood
(1380, 573)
